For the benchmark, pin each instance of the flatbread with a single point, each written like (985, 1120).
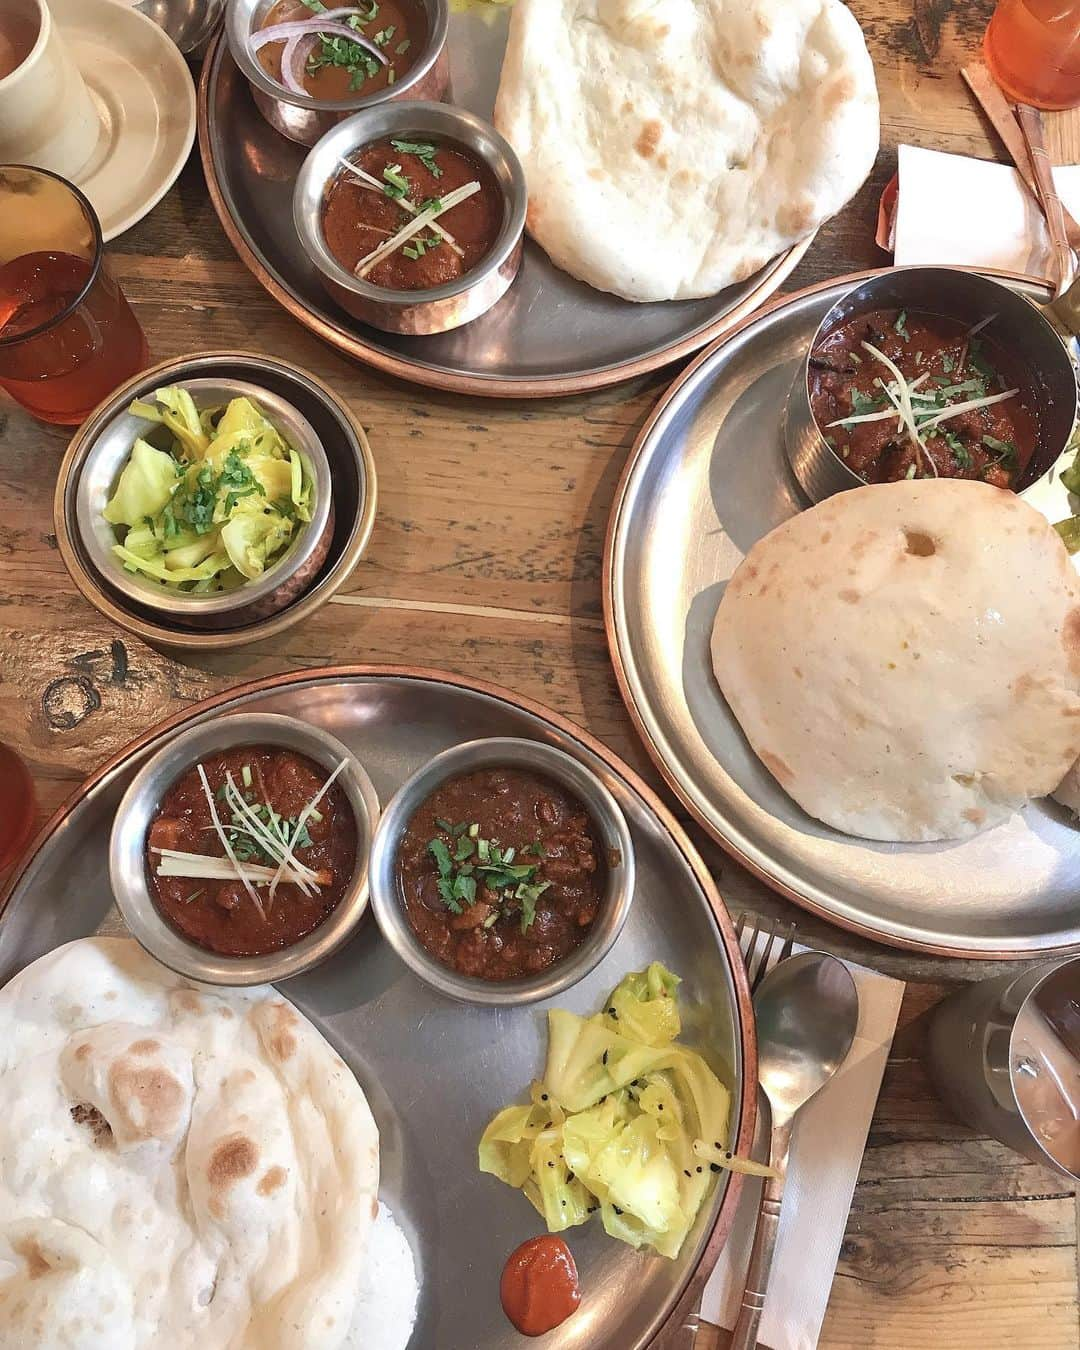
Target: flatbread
(179, 1167)
(672, 147)
(905, 658)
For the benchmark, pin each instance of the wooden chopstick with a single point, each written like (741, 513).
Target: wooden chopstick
(997, 108)
(1031, 125)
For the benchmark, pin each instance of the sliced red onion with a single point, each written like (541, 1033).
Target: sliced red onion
(319, 24)
(294, 58)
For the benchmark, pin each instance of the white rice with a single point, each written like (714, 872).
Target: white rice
(386, 1307)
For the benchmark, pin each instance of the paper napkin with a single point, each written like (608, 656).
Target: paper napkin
(952, 209)
(826, 1154)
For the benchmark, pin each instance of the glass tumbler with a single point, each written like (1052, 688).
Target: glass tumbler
(1033, 50)
(68, 336)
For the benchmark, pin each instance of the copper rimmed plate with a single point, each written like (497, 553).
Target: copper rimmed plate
(707, 478)
(435, 1070)
(549, 335)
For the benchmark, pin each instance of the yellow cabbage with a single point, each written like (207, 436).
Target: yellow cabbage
(626, 1121)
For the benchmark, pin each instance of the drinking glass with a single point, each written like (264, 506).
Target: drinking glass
(17, 806)
(67, 334)
(1004, 1054)
(1033, 50)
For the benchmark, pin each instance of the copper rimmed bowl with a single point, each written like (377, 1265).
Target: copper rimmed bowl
(1017, 323)
(612, 833)
(131, 825)
(304, 119)
(325, 552)
(439, 308)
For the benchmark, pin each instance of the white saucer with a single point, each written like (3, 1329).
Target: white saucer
(145, 97)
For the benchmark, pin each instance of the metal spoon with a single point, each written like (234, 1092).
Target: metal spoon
(807, 1010)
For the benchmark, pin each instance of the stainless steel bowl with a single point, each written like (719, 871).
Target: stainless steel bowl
(442, 307)
(190, 23)
(282, 582)
(1018, 324)
(127, 849)
(303, 118)
(612, 833)
(294, 595)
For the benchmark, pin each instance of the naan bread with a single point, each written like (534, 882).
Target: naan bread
(905, 658)
(179, 1167)
(672, 147)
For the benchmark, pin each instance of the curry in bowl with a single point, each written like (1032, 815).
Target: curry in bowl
(411, 214)
(900, 394)
(251, 849)
(501, 872)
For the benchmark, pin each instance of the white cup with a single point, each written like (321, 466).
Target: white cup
(47, 118)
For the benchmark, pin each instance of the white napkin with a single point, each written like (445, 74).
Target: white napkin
(952, 209)
(826, 1154)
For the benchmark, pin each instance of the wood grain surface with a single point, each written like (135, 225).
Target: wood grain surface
(486, 560)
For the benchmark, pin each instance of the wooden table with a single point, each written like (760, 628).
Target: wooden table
(952, 1239)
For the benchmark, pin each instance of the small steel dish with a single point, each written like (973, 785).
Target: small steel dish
(1018, 324)
(127, 849)
(439, 308)
(325, 552)
(304, 119)
(612, 832)
(286, 579)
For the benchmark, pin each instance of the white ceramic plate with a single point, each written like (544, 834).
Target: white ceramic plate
(143, 91)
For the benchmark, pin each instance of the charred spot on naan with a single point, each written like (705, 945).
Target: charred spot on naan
(37, 1264)
(919, 544)
(233, 1159)
(144, 1047)
(148, 1100)
(648, 139)
(91, 1119)
(272, 1180)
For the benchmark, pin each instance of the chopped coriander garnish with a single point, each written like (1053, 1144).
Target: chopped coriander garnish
(960, 453)
(395, 185)
(410, 252)
(403, 47)
(316, 6)
(948, 365)
(383, 36)
(390, 75)
(474, 860)
(900, 326)
(424, 152)
(1004, 450)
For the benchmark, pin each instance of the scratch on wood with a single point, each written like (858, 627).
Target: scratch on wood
(494, 612)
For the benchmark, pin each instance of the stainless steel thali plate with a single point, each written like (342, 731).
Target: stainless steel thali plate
(549, 335)
(707, 478)
(434, 1070)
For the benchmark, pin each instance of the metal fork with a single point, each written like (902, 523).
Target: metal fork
(757, 963)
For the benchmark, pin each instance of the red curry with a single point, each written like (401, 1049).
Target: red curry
(220, 915)
(946, 364)
(501, 873)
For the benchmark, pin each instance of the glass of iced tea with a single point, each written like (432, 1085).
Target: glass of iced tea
(68, 336)
(1033, 50)
(17, 806)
